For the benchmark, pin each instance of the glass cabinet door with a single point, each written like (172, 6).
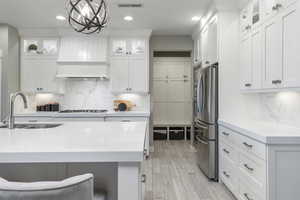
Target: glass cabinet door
(138, 47)
(49, 47)
(40, 47)
(256, 17)
(119, 47)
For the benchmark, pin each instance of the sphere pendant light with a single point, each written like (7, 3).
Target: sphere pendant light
(87, 16)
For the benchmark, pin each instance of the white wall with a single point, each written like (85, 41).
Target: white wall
(171, 43)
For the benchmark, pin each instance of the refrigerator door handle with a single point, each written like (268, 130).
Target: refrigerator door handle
(198, 139)
(198, 93)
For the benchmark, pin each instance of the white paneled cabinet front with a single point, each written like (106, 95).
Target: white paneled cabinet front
(274, 47)
(251, 60)
(83, 49)
(38, 75)
(129, 75)
(129, 65)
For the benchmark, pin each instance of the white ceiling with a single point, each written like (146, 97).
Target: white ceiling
(164, 17)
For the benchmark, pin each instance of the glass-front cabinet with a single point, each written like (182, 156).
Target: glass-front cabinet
(40, 46)
(128, 47)
(251, 16)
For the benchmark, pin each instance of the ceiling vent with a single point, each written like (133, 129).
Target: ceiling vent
(130, 5)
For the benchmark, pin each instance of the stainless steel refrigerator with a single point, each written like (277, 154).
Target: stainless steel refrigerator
(205, 119)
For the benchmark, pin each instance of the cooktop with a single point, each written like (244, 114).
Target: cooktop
(84, 111)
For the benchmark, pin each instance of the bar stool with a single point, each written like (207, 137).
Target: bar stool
(74, 188)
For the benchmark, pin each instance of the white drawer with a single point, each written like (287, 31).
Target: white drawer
(251, 146)
(33, 119)
(126, 119)
(228, 151)
(254, 169)
(250, 192)
(227, 135)
(228, 174)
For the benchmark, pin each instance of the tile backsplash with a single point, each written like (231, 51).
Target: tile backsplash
(85, 94)
(281, 107)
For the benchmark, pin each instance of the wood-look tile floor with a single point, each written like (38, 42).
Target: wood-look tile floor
(172, 174)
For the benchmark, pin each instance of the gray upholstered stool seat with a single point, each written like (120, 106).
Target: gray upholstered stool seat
(75, 188)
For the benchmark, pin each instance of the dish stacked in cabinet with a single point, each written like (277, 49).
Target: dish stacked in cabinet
(243, 166)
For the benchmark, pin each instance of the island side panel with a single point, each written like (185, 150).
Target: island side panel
(283, 172)
(129, 181)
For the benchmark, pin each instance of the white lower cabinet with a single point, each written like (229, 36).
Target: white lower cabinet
(243, 166)
(253, 170)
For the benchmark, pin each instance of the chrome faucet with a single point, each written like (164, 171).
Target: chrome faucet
(11, 119)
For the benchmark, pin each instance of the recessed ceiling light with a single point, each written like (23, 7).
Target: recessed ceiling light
(60, 17)
(128, 18)
(196, 18)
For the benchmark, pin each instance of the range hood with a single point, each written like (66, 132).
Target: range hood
(82, 71)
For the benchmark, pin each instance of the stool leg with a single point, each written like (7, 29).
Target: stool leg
(168, 133)
(185, 132)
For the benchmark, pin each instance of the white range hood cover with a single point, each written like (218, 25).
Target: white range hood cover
(82, 71)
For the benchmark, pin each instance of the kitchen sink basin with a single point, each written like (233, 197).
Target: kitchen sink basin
(33, 126)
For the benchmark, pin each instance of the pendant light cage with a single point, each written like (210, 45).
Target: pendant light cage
(87, 16)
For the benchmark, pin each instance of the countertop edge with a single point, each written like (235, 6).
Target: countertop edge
(265, 139)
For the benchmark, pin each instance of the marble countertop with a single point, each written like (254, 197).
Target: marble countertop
(75, 142)
(265, 132)
(86, 115)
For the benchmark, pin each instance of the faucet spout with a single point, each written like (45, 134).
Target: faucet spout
(11, 119)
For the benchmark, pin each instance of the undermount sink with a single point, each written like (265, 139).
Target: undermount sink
(33, 126)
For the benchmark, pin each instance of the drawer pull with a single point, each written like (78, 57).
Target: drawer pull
(226, 134)
(247, 196)
(249, 168)
(226, 151)
(248, 145)
(225, 174)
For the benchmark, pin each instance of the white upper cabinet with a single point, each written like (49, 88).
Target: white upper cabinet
(251, 16)
(290, 46)
(39, 76)
(272, 58)
(251, 60)
(213, 42)
(197, 49)
(278, 39)
(83, 49)
(138, 75)
(209, 43)
(134, 47)
(129, 75)
(129, 65)
(204, 46)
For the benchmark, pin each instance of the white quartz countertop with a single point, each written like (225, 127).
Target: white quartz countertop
(265, 132)
(86, 115)
(75, 142)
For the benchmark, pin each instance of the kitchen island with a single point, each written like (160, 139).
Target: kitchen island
(82, 142)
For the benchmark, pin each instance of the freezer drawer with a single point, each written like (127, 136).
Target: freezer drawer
(206, 156)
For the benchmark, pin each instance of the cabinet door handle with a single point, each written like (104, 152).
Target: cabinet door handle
(225, 174)
(276, 7)
(248, 85)
(248, 145)
(226, 151)
(249, 168)
(276, 82)
(144, 177)
(247, 196)
(226, 134)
